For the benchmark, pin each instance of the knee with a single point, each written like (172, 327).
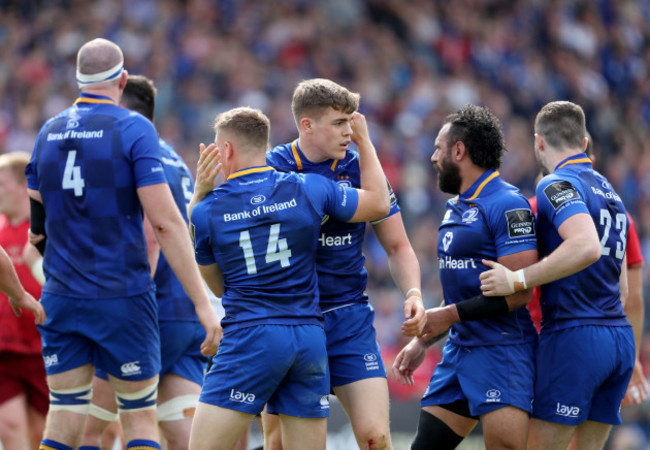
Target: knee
(374, 439)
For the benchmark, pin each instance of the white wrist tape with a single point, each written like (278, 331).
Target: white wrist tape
(516, 280)
(413, 292)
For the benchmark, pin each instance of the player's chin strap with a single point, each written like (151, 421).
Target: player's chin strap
(84, 79)
(178, 408)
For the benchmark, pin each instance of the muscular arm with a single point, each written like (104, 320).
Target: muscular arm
(405, 270)
(634, 307)
(172, 235)
(153, 248)
(579, 249)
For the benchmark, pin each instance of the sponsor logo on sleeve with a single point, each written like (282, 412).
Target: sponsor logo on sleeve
(471, 215)
(560, 192)
(521, 222)
(446, 240)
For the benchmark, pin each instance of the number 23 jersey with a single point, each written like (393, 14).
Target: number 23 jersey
(591, 296)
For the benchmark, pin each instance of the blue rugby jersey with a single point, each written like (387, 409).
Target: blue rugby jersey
(489, 220)
(261, 227)
(87, 163)
(591, 296)
(340, 262)
(173, 302)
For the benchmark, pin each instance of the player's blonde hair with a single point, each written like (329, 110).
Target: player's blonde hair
(313, 97)
(16, 163)
(251, 126)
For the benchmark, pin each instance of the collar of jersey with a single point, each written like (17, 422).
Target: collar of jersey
(476, 188)
(295, 150)
(248, 171)
(580, 158)
(92, 98)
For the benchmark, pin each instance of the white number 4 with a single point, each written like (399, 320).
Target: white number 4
(276, 250)
(72, 175)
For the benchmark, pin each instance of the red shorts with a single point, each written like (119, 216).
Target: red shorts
(24, 374)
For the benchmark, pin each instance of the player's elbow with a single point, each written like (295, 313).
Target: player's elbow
(591, 252)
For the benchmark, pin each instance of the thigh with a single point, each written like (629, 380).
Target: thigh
(352, 346)
(546, 435)
(215, 427)
(366, 403)
(506, 428)
(303, 434)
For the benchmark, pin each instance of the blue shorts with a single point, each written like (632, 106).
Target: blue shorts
(117, 335)
(282, 365)
(180, 344)
(352, 346)
(487, 378)
(583, 373)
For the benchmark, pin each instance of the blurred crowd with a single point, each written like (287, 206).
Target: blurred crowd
(413, 63)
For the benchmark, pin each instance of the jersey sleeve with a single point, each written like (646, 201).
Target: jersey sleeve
(338, 201)
(559, 199)
(144, 151)
(513, 226)
(276, 158)
(394, 206)
(201, 230)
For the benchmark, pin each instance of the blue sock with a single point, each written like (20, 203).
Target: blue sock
(49, 444)
(143, 444)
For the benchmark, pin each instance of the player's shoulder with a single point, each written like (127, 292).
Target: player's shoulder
(281, 156)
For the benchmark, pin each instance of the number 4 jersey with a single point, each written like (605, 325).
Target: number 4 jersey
(591, 296)
(261, 228)
(87, 163)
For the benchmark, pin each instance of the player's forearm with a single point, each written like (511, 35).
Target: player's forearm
(404, 268)
(373, 180)
(9, 282)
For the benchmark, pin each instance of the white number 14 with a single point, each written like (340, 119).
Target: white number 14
(276, 250)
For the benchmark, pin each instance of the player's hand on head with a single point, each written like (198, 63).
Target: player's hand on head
(359, 128)
(415, 315)
(207, 168)
(497, 280)
(29, 303)
(34, 238)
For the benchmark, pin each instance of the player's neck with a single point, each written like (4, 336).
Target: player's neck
(555, 158)
(469, 174)
(310, 151)
(113, 94)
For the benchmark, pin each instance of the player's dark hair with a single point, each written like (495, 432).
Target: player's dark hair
(251, 125)
(561, 124)
(313, 97)
(481, 132)
(140, 95)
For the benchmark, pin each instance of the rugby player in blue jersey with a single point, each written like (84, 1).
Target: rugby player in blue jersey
(181, 333)
(95, 168)
(256, 237)
(586, 345)
(322, 111)
(487, 370)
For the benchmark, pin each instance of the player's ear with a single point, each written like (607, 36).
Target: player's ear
(123, 79)
(458, 150)
(306, 125)
(539, 141)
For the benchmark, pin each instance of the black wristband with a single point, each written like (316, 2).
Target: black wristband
(481, 307)
(37, 222)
